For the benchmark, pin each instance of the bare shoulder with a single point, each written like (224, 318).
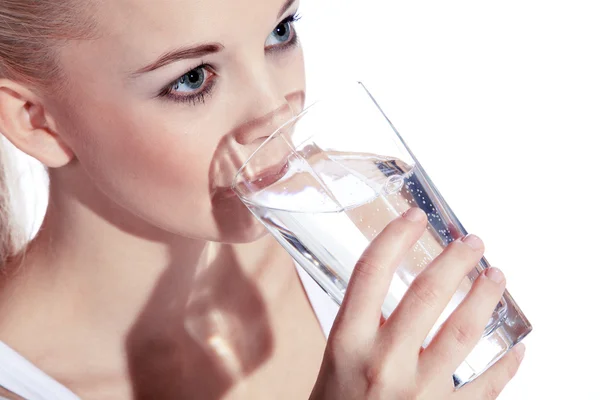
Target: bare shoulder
(5, 394)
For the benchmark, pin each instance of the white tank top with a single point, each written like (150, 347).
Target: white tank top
(19, 376)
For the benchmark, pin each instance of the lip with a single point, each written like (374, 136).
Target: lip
(267, 177)
(270, 175)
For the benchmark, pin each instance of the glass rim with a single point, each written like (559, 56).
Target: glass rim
(292, 120)
(265, 142)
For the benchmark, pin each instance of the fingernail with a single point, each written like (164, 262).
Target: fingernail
(414, 214)
(495, 275)
(519, 350)
(473, 241)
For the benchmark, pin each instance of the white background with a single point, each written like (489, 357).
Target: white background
(500, 101)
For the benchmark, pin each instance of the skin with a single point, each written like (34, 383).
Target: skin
(156, 282)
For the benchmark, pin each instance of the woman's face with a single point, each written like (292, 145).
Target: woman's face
(163, 107)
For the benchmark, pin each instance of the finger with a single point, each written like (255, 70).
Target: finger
(430, 292)
(370, 280)
(462, 330)
(492, 382)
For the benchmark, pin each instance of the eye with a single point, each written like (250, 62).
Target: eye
(284, 33)
(192, 86)
(190, 82)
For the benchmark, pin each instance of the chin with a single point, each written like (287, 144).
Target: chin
(242, 231)
(246, 236)
(235, 223)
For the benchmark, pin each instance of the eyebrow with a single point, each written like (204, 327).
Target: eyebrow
(285, 7)
(181, 54)
(197, 51)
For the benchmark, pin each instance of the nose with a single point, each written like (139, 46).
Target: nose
(260, 128)
(267, 107)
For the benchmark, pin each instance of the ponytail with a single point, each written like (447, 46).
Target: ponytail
(30, 33)
(9, 233)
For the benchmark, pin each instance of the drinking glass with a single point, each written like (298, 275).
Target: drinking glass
(327, 182)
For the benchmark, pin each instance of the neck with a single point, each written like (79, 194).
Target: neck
(160, 307)
(108, 266)
(105, 268)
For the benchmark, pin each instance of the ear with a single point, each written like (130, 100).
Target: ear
(24, 121)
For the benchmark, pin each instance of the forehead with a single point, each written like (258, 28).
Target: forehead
(176, 22)
(131, 34)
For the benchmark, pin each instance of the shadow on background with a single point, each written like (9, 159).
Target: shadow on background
(192, 341)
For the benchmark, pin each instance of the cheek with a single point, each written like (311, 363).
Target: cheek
(292, 70)
(152, 164)
(301, 66)
(158, 154)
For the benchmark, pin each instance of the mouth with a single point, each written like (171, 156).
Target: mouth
(269, 175)
(265, 178)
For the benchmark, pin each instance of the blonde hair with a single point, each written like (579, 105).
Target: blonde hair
(31, 32)
(10, 236)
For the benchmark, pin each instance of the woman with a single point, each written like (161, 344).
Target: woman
(148, 278)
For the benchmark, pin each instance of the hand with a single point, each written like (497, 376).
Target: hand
(366, 359)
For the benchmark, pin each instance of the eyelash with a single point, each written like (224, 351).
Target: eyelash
(193, 98)
(293, 41)
(167, 92)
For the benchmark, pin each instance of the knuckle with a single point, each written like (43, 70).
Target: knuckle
(423, 289)
(374, 374)
(383, 382)
(366, 269)
(491, 391)
(463, 334)
(338, 345)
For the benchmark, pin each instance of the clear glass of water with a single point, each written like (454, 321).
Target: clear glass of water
(328, 181)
